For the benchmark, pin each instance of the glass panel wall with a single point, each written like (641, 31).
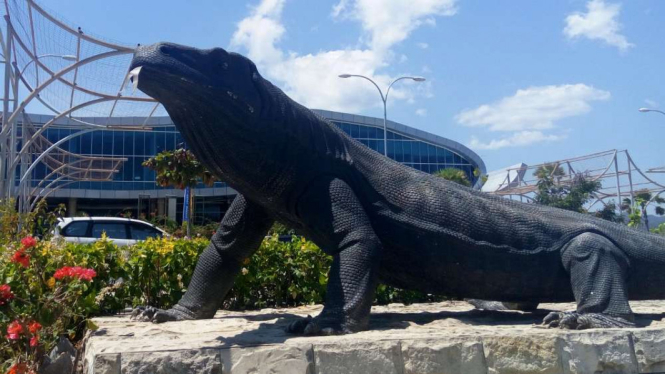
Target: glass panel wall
(417, 154)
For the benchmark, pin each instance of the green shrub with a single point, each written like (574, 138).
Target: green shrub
(281, 274)
(158, 270)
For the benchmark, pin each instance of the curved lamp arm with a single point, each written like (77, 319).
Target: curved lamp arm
(645, 110)
(417, 79)
(383, 98)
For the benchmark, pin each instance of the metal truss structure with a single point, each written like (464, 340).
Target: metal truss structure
(618, 174)
(63, 70)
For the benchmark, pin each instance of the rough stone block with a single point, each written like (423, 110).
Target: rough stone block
(443, 357)
(650, 350)
(270, 360)
(600, 351)
(106, 364)
(176, 362)
(358, 358)
(433, 338)
(523, 354)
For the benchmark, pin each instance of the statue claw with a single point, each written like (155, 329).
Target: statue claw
(583, 321)
(156, 315)
(309, 326)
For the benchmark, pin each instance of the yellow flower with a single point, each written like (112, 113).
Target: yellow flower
(46, 248)
(165, 246)
(51, 283)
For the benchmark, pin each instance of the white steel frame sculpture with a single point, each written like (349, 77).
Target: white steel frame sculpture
(620, 178)
(74, 76)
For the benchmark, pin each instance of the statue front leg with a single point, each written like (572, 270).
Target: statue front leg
(337, 222)
(243, 228)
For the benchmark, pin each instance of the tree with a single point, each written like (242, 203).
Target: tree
(637, 209)
(181, 169)
(454, 175)
(609, 213)
(572, 195)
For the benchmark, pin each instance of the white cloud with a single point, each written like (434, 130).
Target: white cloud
(600, 22)
(518, 139)
(312, 79)
(390, 22)
(529, 112)
(259, 32)
(339, 8)
(533, 108)
(422, 112)
(422, 45)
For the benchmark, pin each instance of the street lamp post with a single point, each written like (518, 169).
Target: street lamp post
(645, 110)
(385, 100)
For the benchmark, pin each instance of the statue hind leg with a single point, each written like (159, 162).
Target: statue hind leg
(598, 271)
(337, 222)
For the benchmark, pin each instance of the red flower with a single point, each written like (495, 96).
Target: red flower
(18, 369)
(28, 242)
(34, 327)
(21, 258)
(14, 330)
(5, 294)
(75, 272)
(34, 341)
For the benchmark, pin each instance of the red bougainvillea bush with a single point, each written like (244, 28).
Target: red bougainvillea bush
(40, 299)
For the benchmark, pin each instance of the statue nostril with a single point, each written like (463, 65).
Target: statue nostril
(164, 50)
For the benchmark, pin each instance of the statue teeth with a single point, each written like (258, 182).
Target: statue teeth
(133, 77)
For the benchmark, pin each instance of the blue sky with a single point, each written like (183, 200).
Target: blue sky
(516, 81)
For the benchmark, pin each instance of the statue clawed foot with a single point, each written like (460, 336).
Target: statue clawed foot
(583, 321)
(323, 325)
(156, 315)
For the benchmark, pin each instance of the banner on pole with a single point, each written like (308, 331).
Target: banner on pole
(185, 206)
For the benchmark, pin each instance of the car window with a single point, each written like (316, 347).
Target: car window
(113, 230)
(76, 229)
(143, 232)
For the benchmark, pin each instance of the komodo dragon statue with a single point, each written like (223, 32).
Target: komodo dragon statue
(381, 221)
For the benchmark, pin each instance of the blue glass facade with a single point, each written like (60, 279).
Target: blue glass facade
(135, 146)
(409, 151)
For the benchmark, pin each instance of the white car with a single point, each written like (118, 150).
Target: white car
(122, 231)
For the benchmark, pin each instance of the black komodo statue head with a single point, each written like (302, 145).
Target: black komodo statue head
(213, 96)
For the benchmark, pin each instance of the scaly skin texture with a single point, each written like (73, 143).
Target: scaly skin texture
(380, 220)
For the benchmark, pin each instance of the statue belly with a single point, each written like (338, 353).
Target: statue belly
(477, 273)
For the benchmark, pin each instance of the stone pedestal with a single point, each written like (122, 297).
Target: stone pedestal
(438, 338)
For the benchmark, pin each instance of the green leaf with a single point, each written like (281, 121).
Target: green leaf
(90, 325)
